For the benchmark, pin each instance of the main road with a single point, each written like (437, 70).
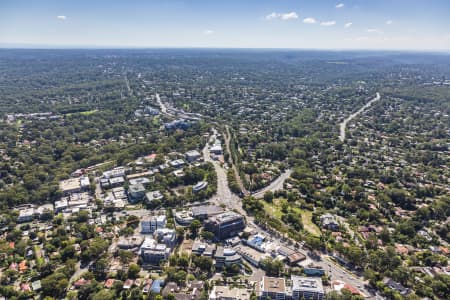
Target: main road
(275, 185)
(224, 194)
(162, 106)
(343, 125)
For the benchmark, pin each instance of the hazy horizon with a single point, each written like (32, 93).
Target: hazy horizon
(259, 24)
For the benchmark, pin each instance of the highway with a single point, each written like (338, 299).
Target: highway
(343, 125)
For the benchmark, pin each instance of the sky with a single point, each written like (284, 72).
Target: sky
(307, 24)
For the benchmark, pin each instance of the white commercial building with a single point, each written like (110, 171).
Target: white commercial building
(149, 224)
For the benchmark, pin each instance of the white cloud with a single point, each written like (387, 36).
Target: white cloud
(328, 23)
(289, 16)
(374, 30)
(309, 21)
(362, 38)
(285, 17)
(389, 22)
(348, 25)
(208, 32)
(340, 5)
(62, 18)
(273, 15)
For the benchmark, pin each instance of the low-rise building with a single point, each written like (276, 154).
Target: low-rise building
(226, 257)
(79, 200)
(251, 255)
(219, 257)
(61, 205)
(167, 236)
(393, 285)
(307, 288)
(116, 172)
(192, 155)
(198, 247)
(119, 193)
(152, 252)
(116, 181)
(225, 225)
(203, 212)
(130, 242)
(329, 222)
(154, 195)
(136, 192)
(228, 293)
(44, 209)
(272, 288)
(26, 215)
(104, 183)
(142, 180)
(177, 124)
(256, 242)
(231, 257)
(210, 250)
(338, 286)
(149, 224)
(313, 270)
(216, 149)
(184, 217)
(200, 186)
(85, 183)
(71, 185)
(177, 163)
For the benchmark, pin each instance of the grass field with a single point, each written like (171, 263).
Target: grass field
(274, 209)
(308, 224)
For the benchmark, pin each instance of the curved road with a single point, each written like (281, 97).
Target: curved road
(275, 185)
(343, 125)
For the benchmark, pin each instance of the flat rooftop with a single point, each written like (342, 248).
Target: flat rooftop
(274, 285)
(226, 217)
(309, 284)
(208, 210)
(70, 184)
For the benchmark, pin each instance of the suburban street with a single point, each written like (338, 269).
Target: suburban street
(343, 125)
(78, 272)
